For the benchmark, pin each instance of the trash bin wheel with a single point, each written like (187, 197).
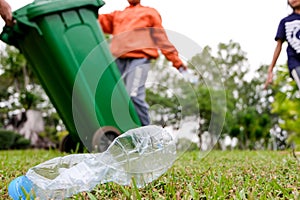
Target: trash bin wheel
(103, 137)
(69, 146)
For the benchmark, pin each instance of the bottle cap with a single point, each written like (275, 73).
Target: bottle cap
(15, 190)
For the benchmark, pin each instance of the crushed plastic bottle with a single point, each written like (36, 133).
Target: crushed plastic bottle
(142, 154)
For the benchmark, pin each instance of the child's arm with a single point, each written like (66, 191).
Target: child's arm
(273, 63)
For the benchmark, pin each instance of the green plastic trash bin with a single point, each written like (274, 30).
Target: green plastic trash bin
(63, 42)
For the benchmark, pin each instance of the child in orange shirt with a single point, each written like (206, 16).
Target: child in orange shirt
(137, 35)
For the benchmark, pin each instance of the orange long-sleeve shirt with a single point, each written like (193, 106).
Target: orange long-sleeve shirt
(138, 33)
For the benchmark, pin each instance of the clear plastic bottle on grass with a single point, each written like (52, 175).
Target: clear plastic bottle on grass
(142, 154)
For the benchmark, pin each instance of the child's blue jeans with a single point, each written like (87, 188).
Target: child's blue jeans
(134, 73)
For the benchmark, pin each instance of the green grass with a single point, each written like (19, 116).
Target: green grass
(220, 175)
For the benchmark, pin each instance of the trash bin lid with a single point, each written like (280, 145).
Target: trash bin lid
(43, 7)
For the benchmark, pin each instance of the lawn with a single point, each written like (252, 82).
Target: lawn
(219, 175)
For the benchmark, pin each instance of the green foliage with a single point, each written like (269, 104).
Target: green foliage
(21, 90)
(253, 126)
(29, 99)
(12, 140)
(287, 104)
(247, 106)
(16, 72)
(165, 108)
(223, 92)
(16, 79)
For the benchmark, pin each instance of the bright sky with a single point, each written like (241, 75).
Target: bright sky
(252, 23)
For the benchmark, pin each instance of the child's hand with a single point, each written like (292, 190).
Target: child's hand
(269, 80)
(182, 68)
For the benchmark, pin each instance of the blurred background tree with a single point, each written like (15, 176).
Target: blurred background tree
(258, 118)
(21, 91)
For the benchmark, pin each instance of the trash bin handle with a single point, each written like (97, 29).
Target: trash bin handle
(24, 20)
(10, 34)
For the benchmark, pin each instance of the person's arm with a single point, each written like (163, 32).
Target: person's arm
(5, 12)
(160, 38)
(273, 63)
(106, 22)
